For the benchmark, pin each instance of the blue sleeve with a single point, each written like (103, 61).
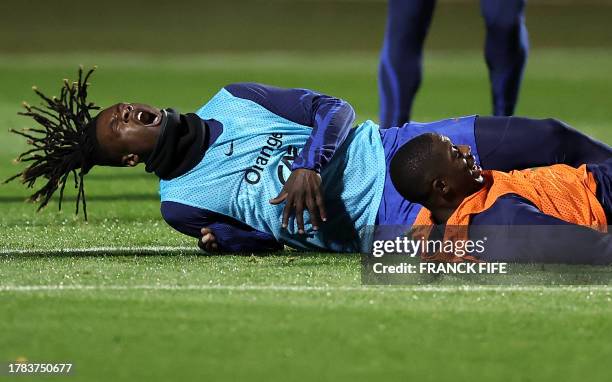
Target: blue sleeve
(330, 118)
(517, 231)
(231, 235)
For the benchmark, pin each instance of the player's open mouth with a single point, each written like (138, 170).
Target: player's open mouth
(148, 118)
(473, 167)
(476, 171)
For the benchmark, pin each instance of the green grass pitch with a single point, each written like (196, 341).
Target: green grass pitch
(171, 314)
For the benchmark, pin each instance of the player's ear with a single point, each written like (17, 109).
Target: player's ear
(130, 160)
(440, 186)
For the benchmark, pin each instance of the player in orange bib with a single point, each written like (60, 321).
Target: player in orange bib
(571, 206)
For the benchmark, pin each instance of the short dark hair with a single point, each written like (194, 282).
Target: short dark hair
(411, 168)
(66, 143)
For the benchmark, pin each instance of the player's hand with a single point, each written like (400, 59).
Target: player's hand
(208, 241)
(302, 191)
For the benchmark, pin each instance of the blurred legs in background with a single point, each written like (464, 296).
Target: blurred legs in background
(400, 69)
(506, 47)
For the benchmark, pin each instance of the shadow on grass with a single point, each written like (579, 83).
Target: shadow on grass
(152, 251)
(122, 175)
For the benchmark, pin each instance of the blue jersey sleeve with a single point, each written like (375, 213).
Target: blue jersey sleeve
(517, 231)
(231, 235)
(330, 118)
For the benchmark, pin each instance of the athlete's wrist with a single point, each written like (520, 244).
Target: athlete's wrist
(306, 166)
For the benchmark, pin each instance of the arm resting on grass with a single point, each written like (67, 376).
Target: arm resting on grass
(231, 235)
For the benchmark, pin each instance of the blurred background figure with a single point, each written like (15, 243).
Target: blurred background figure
(400, 70)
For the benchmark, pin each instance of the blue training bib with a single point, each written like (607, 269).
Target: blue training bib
(251, 160)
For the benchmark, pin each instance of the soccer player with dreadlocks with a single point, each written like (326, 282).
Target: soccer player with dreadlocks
(66, 144)
(259, 166)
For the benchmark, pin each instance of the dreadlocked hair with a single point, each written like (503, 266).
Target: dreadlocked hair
(65, 143)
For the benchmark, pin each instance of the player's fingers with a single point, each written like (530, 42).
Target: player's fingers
(299, 216)
(312, 210)
(279, 198)
(204, 246)
(321, 205)
(201, 245)
(287, 212)
(208, 237)
(205, 230)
